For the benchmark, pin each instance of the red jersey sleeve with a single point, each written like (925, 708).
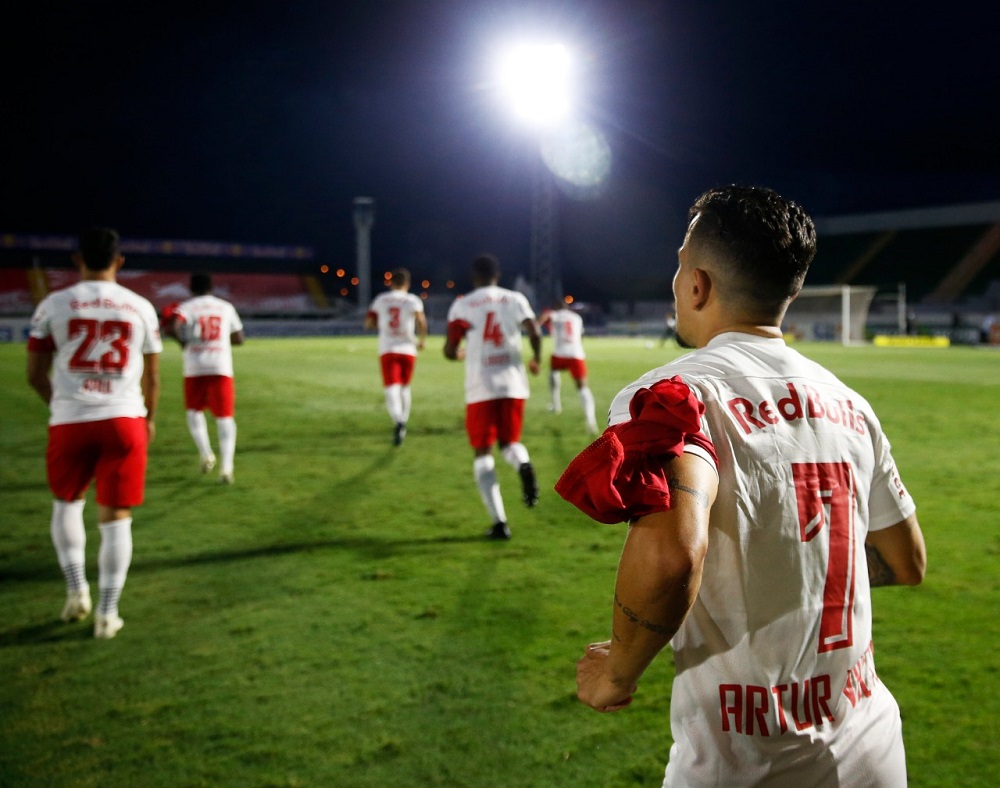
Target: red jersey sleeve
(36, 345)
(457, 330)
(620, 476)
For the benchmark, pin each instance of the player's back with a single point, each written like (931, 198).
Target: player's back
(395, 311)
(98, 332)
(490, 318)
(566, 329)
(209, 322)
(776, 653)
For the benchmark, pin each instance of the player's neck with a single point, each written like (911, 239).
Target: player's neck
(107, 275)
(755, 329)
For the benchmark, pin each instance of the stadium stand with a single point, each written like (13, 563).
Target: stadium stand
(934, 270)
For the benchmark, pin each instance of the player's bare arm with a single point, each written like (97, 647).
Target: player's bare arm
(237, 338)
(897, 555)
(151, 389)
(535, 339)
(179, 330)
(420, 320)
(659, 575)
(39, 365)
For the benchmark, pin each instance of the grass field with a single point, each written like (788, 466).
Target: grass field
(335, 618)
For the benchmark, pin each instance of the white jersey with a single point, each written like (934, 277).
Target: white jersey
(490, 319)
(566, 329)
(395, 311)
(210, 322)
(98, 333)
(774, 663)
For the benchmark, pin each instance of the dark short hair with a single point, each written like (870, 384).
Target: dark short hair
(201, 284)
(99, 246)
(485, 268)
(766, 241)
(399, 276)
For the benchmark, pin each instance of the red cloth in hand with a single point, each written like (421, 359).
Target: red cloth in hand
(620, 476)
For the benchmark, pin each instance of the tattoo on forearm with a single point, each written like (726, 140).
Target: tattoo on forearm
(635, 618)
(879, 573)
(699, 496)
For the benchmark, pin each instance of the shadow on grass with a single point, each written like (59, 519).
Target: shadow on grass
(376, 548)
(57, 631)
(50, 632)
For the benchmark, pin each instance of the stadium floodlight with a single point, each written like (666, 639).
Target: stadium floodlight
(536, 81)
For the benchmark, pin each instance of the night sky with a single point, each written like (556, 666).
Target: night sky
(260, 122)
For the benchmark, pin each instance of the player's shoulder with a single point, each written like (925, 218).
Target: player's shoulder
(130, 296)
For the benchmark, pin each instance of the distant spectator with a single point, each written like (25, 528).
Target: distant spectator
(986, 328)
(669, 328)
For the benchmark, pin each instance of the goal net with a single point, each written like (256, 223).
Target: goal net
(834, 313)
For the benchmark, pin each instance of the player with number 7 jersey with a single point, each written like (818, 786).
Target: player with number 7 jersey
(764, 503)
(778, 646)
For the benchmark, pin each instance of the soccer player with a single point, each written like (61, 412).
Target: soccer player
(399, 317)
(207, 327)
(93, 358)
(490, 319)
(566, 329)
(754, 550)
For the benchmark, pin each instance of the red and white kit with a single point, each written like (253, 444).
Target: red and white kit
(566, 330)
(98, 332)
(490, 318)
(210, 322)
(394, 312)
(779, 678)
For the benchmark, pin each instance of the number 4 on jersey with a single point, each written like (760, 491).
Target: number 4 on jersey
(492, 332)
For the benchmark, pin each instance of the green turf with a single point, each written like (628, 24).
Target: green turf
(336, 619)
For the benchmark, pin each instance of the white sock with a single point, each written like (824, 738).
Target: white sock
(226, 428)
(406, 400)
(198, 428)
(516, 454)
(484, 470)
(555, 391)
(394, 403)
(70, 540)
(113, 561)
(587, 401)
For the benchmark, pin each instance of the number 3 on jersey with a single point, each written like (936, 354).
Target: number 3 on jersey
(825, 495)
(492, 332)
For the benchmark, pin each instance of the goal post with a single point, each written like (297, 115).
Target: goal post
(830, 313)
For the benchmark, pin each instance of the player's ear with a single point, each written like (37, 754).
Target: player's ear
(119, 262)
(701, 287)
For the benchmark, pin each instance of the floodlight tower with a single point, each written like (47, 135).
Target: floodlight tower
(364, 218)
(535, 79)
(544, 239)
